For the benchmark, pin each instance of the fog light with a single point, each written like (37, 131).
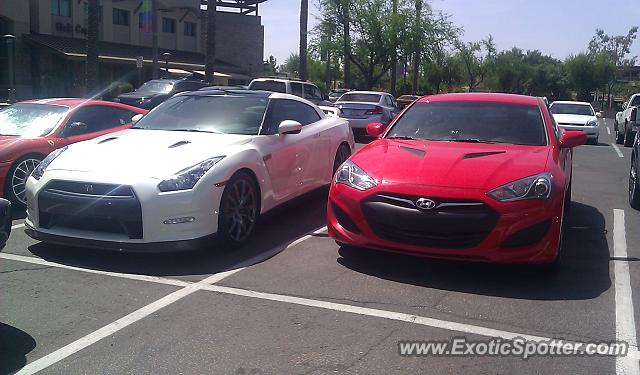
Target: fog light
(180, 220)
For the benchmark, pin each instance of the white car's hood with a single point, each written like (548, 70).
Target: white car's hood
(573, 119)
(148, 153)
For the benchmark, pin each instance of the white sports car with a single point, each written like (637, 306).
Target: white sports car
(202, 164)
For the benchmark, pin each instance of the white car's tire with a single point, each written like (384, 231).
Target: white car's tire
(239, 210)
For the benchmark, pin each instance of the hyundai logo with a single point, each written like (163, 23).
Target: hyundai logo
(88, 188)
(425, 204)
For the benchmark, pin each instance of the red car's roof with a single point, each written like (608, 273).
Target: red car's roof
(71, 102)
(481, 97)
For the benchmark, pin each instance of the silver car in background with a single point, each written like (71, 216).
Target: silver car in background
(577, 116)
(361, 108)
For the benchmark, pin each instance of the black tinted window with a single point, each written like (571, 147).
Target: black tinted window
(274, 86)
(284, 109)
(571, 109)
(636, 101)
(98, 118)
(482, 121)
(368, 98)
(296, 89)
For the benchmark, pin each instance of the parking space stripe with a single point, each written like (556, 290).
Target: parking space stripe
(625, 318)
(110, 329)
(42, 262)
(16, 226)
(617, 150)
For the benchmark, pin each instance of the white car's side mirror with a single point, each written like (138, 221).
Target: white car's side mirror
(289, 127)
(136, 118)
(599, 114)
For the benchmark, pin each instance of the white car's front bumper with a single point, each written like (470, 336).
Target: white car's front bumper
(140, 222)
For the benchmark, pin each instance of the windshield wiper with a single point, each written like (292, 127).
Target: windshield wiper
(471, 140)
(402, 137)
(195, 131)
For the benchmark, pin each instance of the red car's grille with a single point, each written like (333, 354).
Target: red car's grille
(444, 223)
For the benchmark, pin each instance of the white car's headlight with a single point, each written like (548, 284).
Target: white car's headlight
(39, 171)
(592, 123)
(187, 178)
(534, 187)
(351, 175)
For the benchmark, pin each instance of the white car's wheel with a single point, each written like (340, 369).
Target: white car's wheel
(239, 210)
(342, 155)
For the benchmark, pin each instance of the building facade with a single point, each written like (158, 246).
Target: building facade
(50, 42)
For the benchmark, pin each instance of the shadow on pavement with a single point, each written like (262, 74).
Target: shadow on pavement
(584, 273)
(276, 230)
(15, 344)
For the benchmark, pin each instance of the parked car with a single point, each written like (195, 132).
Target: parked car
(634, 182)
(335, 94)
(405, 100)
(626, 121)
(156, 91)
(364, 107)
(476, 177)
(5, 221)
(571, 115)
(298, 88)
(201, 165)
(32, 129)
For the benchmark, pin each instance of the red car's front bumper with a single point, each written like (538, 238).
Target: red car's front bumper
(484, 231)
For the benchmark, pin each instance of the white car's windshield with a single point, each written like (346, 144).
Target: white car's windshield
(356, 97)
(30, 120)
(571, 109)
(230, 114)
(156, 87)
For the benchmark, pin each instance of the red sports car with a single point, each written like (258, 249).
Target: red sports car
(478, 177)
(32, 129)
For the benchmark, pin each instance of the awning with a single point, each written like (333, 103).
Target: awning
(74, 48)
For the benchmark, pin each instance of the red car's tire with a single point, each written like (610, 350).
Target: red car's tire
(16, 180)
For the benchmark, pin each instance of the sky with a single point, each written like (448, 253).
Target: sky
(555, 27)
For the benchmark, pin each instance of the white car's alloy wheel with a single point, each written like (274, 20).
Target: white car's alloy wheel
(239, 209)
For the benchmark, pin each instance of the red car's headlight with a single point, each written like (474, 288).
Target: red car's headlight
(351, 175)
(533, 187)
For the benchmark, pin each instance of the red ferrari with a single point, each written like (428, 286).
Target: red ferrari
(477, 177)
(32, 129)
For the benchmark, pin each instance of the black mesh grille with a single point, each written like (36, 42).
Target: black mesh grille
(92, 207)
(451, 223)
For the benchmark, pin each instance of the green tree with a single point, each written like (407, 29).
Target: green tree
(475, 60)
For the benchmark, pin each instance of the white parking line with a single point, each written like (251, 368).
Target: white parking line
(42, 262)
(16, 226)
(110, 329)
(608, 130)
(625, 318)
(617, 150)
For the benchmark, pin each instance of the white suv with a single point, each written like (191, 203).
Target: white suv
(302, 89)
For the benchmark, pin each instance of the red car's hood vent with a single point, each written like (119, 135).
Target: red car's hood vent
(450, 164)
(481, 154)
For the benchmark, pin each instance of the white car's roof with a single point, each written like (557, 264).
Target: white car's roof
(569, 102)
(366, 92)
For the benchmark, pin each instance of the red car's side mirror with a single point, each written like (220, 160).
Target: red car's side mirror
(375, 129)
(573, 138)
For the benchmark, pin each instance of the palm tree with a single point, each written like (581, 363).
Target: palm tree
(210, 54)
(394, 57)
(417, 53)
(93, 26)
(304, 20)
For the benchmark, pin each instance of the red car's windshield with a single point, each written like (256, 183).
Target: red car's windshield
(30, 120)
(472, 121)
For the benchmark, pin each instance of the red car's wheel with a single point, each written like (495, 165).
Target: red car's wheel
(16, 182)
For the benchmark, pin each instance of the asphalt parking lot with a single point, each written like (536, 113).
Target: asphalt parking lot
(293, 302)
